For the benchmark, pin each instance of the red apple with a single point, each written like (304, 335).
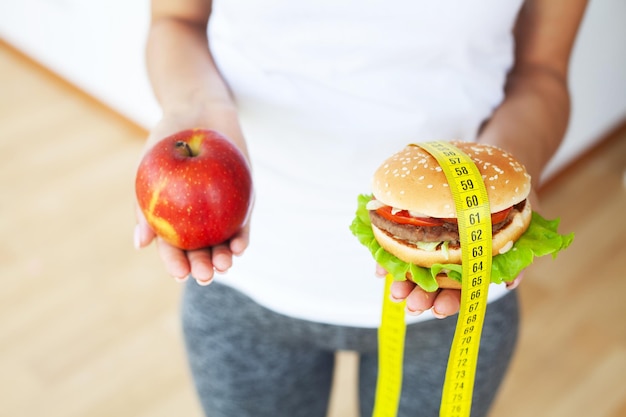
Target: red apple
(194, 188)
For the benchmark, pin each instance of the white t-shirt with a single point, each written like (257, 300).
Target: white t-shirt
(327, 90)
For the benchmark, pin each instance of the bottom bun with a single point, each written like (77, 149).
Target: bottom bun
(502, 242)
(444, 281)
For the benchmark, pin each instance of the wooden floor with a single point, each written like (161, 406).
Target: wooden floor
(89, 326)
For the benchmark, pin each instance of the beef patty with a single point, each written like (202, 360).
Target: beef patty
(449, 231)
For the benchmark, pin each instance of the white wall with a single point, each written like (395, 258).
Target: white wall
(98, 45)
(597, 79)
(95, 44)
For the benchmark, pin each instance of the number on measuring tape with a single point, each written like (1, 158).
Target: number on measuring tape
(390, 355)
(474, 222)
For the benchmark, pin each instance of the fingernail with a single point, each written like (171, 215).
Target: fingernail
(414, 312)
(438, 314)
(137, 237)
(181, 279)
(394, 299)
(512, 285)
(204, 283)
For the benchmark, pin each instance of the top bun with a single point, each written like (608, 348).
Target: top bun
(413, 180)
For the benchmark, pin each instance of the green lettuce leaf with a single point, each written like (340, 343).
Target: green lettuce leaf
(540, 239)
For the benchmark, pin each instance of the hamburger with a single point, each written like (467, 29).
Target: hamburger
(409, 222)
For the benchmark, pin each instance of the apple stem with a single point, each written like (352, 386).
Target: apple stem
(184, 145)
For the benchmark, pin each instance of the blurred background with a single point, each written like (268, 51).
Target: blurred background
(89, 326)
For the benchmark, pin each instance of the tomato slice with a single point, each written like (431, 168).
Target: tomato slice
(403, 217)
(500, 216)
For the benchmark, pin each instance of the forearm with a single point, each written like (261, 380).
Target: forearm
(186, 81)
(532, 120)
(192, 94)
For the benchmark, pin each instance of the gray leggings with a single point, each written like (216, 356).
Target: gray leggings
(249, 361)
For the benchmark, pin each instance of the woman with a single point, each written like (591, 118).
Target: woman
(316, 95)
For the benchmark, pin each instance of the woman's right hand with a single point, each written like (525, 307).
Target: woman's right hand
(200, 264)
(192, 94)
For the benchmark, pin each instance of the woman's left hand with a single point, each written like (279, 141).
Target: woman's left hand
(443, 302)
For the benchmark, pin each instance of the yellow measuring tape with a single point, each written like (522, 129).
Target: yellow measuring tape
(390, 355)
(474, 222)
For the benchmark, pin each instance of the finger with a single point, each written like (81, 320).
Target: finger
(399, 290)
(222, 258)
(515, 283)
(447, 303)
(201, 265)
(239, 243)
(175, 260)
(143, 234)
(419, 301)
(380, 271)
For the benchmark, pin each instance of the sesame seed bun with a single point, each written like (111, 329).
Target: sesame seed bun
(413, 180)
